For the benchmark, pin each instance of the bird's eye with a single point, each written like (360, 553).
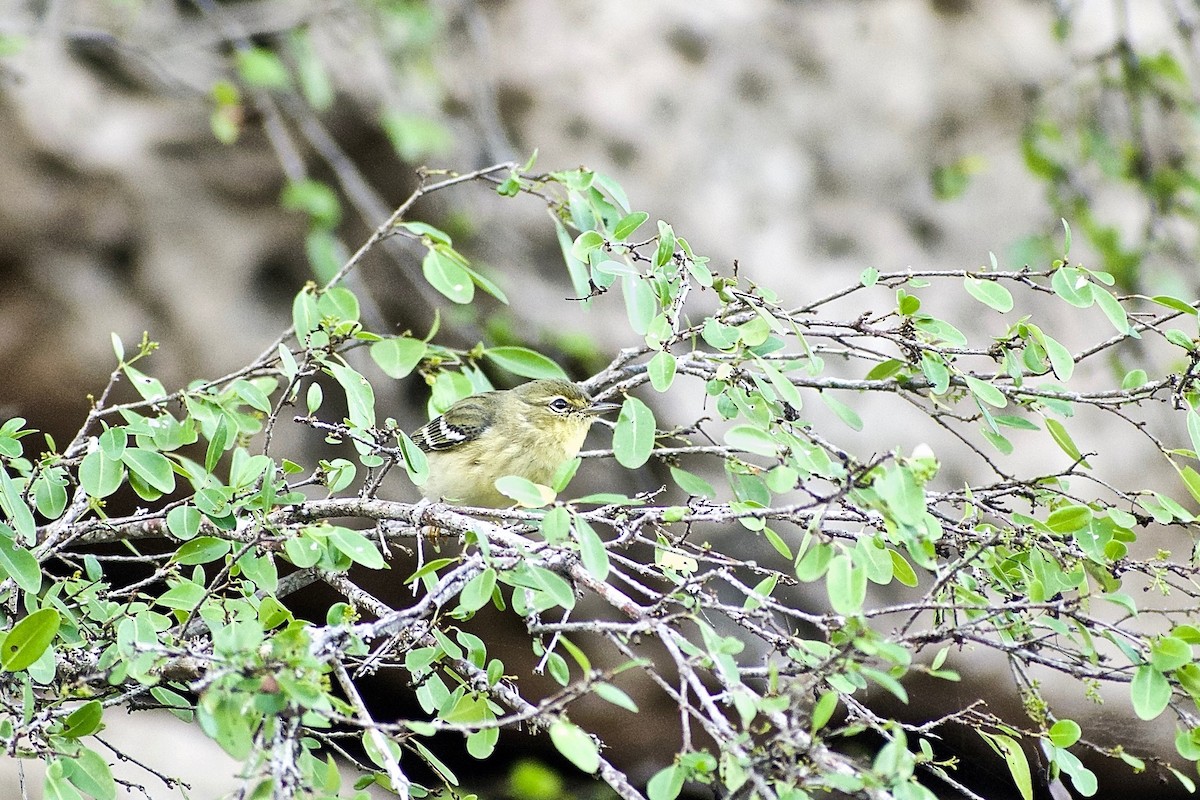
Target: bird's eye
(560, 405)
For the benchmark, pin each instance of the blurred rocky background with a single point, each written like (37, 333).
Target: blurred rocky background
(146, 147)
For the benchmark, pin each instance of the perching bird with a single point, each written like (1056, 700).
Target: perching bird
(529, 431)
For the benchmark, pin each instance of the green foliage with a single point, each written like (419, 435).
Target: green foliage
(1082, 152)
(875, 566)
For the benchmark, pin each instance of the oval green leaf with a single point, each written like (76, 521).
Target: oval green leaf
(398, 357)
(990, 293)
(575, 745)
(633, 438)
(448, 277)
(99, 475)
(524, 362)
(1149, 691)
(750, 439)
(152, 467)
(28, 639)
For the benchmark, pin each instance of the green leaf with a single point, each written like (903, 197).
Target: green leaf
(221, 439)
(1020, 423)
(666, 244)
(448, 276)
(990, 293)
(28, 639)
(1072, 285)
(357, 547)
(360, 399)
(306, 549)
(554, 586)
(822, 710)
(84, 721)
(761, 590)
(18, 563)
(1168, 653)
(1176, 304)
(1187, 744)
(415, 137)
(183, 596)
(1180, 339)
(719, 335)
(149, 388)
(319, 202)
(15, 508)
(525, 492)
(487, 285)
(184, 521)
(1149, 691)
(255, 397)
(305, 317)
(1193, 427)
(783, 387)
(886, 369)
(591, 550)
(844, 412)
(610, 693)
(50, 493)
(628, 224)
(667, 783)
(152, 467)
(99, 475)
(986, 392)
(262, 68)
(314, 80)
(846, 585)
(694, 485)
(1064, 441)
(576, 268)
(340, 303)
(477, 592)
(1060, 357)
(1065, 733)
(89, 773)
(1014, 757)
(902, 570)
(56, 786)
(325, 255)
(1069, 519)
(662, 371)
(633, 437)
(575, 745)
(1115, 312)
(935, 371)
(203, 550)
(524, 362)
(814, 562)
(641, 304)
(614, 189)
(415, 462)
(585, 243)
(1184, 781)
(751, 439)
(1191, 480)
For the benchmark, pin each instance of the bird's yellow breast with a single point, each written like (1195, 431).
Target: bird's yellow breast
(467, 474)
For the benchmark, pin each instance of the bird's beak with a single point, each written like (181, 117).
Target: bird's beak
(596, 409)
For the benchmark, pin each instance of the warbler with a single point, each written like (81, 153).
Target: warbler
(529, 431)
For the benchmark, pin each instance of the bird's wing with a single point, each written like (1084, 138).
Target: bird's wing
(461, 423)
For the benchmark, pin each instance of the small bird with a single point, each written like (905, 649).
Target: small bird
(529, 431)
